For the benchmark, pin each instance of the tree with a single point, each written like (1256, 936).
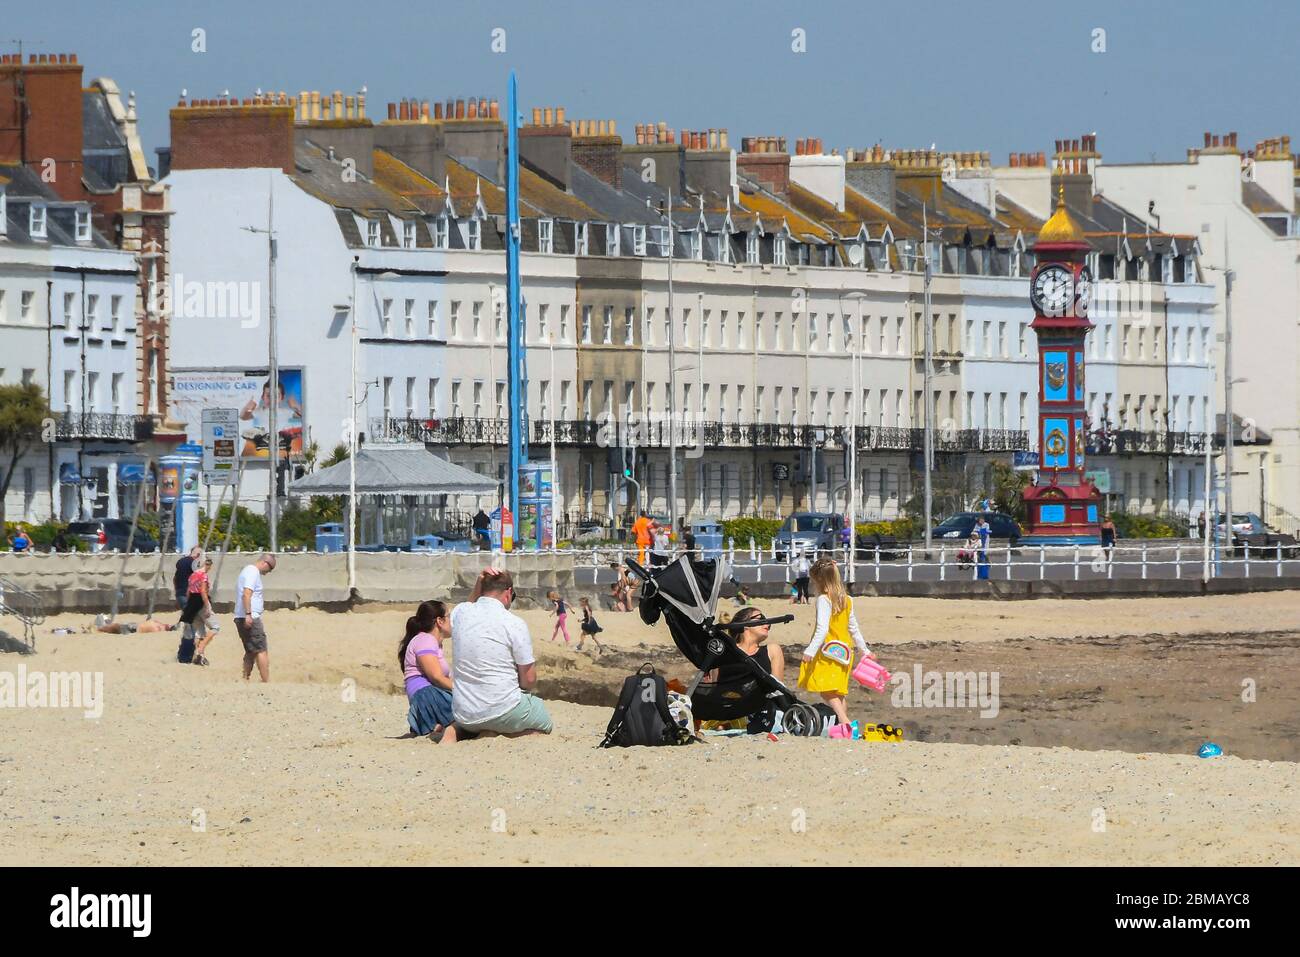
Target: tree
(23, 411)
(1008, 491)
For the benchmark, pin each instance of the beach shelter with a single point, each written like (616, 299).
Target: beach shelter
(405, 469)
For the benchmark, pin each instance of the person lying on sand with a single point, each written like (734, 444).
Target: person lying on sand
(106, 627)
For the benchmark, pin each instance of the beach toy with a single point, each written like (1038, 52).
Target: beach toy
(1209, 750)
(882, 732)
(840, 731)
(871, 674)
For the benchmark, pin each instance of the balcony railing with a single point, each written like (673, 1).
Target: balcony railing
(723, 435)
(1139, 441)
(103, 425)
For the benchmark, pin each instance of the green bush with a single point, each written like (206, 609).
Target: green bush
(902, 529)
(1149, 526)
(741, 530)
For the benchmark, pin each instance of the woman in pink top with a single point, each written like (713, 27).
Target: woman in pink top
(428, 679)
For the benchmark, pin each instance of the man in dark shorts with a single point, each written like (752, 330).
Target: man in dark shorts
(248, 616)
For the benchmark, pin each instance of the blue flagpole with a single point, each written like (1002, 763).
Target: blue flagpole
(515, 330)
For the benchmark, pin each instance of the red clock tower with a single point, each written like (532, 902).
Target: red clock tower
(1063, 506)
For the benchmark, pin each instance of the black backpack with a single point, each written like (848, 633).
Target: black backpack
(641, 716)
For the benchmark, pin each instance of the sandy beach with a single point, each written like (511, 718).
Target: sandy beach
(1091, 759)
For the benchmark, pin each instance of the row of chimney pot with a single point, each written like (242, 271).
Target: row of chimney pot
(593, 128)
(548, 116)
(1214, 141)
(654, 134)
(307, 106)
(877, 154)
(459, 109)
(1086, 144)
(763, 144)
(40, 59)
(313, 105)
(808, 147)
(1276, 148)
(1028, 159)
(714, 139)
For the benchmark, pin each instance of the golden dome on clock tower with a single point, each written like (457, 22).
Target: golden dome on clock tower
(1060, 228)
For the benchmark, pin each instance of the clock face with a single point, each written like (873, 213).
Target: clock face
(1083, 292)
(1052, 291)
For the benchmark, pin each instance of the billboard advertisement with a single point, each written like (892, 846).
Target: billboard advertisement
(250, 393)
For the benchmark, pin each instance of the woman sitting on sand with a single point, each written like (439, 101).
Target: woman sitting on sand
(751, 640)
(771, 658)
(428, 679)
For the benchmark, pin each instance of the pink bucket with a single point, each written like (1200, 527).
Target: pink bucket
(871, 674)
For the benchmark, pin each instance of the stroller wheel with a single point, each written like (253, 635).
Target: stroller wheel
(801, 720)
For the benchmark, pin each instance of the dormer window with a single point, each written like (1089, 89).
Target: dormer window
(664, 241)
(1167, 268)
(724, 247)
(638, 240)
(372, 232)
(580, 239)
(697, 243)
(83, 225)
(751, 247)
(778, 251)
(1189, 269)
(441, 232)
(545, 234)
(4, 213)
(36, 221)
(475, 233)
(612, 238)
(408, 235)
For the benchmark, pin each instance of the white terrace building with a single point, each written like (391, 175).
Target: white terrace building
(784, 271)
(67, 324)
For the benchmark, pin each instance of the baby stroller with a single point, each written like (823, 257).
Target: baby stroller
(685, 593)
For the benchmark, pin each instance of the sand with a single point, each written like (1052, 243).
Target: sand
(193, 766)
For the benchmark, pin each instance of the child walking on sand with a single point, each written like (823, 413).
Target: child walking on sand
(561, 611)
(589, 627)
(828, 659)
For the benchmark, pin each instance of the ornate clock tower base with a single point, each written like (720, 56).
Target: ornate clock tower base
(1063, 514)
(1064, 506)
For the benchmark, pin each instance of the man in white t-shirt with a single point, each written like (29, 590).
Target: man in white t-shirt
(248, 616)
(493, 667)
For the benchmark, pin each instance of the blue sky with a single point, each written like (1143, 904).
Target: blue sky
(963, 75)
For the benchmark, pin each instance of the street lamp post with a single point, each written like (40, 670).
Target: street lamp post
(273, 401)
(672, 382)
(925, 378)
(1228, 276)
(555, 462)
(352, 443)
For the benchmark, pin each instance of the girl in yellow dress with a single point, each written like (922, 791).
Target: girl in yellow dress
(828, 659)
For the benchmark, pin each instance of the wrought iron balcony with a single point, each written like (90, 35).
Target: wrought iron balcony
(109, 426)
(655, 434)
(1143, 442)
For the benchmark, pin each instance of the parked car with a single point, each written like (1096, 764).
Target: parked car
(117, 531)
(1246, 523)
(810, 532)
(959, 526)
